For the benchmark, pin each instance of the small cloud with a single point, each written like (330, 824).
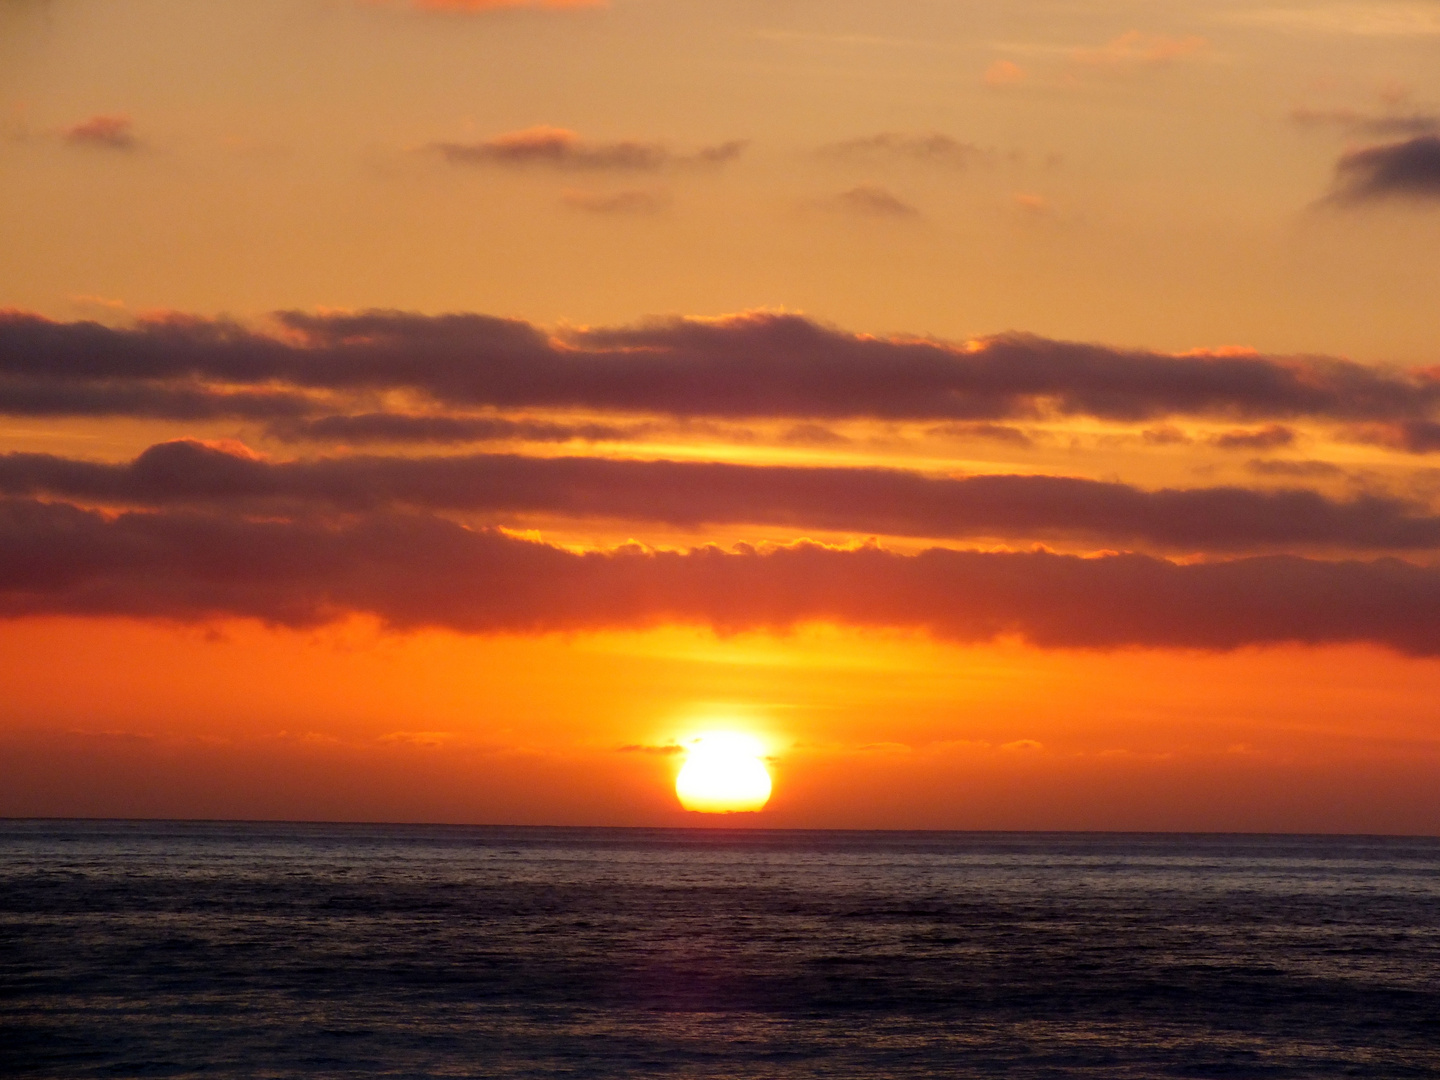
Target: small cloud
(561, 148)
(1033, 205)
(555, 147)
(1165, 436)
(86, 302)
(871, 200)
(1308, 117)
(640, 748)
(1407, 170)
(1409, 436)
(885, 748)
(115, 131)
(811, 434)
(1379, 18)
(1022, 746)
(1413, 124)
(1005, 73)
(1308, 469)
(473, 6)
(720, 153)
(1136, 49)
(932, 148)
(618, 203)
(1267, 438)
(995, 432)
(1367, 123)
(1394, 93)
(429, 739)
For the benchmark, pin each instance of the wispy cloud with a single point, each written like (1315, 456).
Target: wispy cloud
(1271, 437)
(1005, 73)
(1032, 205)
(872, 200)
(369, 428)
(112, 131)
(1411, 436)
(1381, 124)
(1379, 18)
(476, 6)
(560, 148)
(622, 203)
(1135, 48)
(932, 148)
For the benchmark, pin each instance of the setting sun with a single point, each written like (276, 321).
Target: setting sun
(724, 772)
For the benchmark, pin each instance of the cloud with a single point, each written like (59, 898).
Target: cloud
(719, 153)
(871, 200)
(1136, 49)
(930, 149)
(496, 5)
(560, 148)
(758, 364)
(1402, 170)
(1271, 437)
(1166, 435)
(112, 132)
(1307, 469)
(1009, 375)
(1032, 205)
(1379, 124)
(994, 432)
(618, 202)
(418, 571)
(103, 303)
(556, 147)
(1411, 437)
(1378, 18)
(366, 428)
(813, 435)
(1005, 73)
(859, 501)
(148, 400)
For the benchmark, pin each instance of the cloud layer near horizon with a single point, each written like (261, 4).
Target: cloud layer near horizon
(412, 571)
(690, 494)
(751, 365)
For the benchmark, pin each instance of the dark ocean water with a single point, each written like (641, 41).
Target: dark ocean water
(257, 950)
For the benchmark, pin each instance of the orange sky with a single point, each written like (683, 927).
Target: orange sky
(1016, 416)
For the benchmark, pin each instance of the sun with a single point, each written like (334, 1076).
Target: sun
(724, 773)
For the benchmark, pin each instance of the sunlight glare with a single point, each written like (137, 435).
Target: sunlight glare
(724, 772)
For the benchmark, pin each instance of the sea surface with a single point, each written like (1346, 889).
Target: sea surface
(152, 949)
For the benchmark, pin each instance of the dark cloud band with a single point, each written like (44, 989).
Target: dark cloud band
(755, 365)
(691, 494)
(421, 571)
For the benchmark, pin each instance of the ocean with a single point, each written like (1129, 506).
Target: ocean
(157, 949)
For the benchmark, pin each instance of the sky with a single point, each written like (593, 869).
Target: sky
(1008, 416)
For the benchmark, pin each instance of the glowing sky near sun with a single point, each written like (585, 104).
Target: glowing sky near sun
(1011, 415)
